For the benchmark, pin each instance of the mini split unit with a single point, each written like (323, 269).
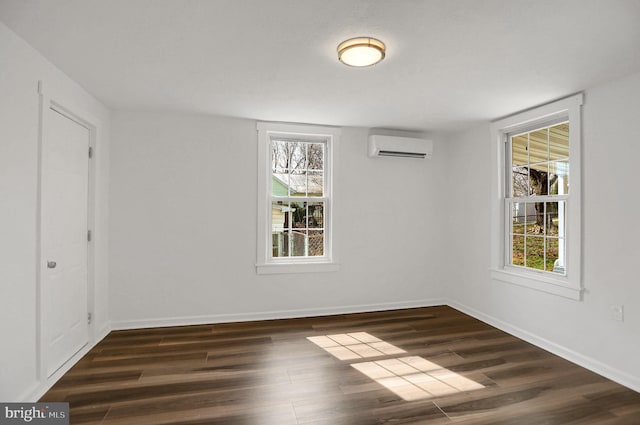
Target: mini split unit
(404, 147)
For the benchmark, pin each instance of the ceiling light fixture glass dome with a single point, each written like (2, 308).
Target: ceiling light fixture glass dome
(361, 51)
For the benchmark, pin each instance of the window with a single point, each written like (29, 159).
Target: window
(537, 212)
(537, 194)
(294, 199)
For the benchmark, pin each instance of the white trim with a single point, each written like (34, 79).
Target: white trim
(533, 280)
(34, 393)
(40, 388)
(264, 263)
(571, 286)
(272, 315)
(587, 362)
(307, 267)
(544, 113)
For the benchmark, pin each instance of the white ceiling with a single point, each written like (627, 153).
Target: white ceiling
(449, 64)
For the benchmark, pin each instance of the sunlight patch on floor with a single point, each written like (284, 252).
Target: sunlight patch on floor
(410, 377)
(415, 378)
(357, 345)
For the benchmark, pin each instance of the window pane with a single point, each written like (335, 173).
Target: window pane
(520, 182)
(555, 255)
(519, 150)
(538, 145)
(279, 245)
(279, 216)
(316, 243)
(280, 184)
(552, 253)
(517, 256)
(558, 218)
(559, 178)
(315, 155)
(315, 183)
(518, 215)
(298, 242)
(535, 218)
(535, 252)
(299, 215)
(551, 221)
(316, 214)
(297, 156)
(279, 156)
(298, 183)
(559, 141)
(538, 178)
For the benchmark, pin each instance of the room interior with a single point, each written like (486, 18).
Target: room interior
(174, 92)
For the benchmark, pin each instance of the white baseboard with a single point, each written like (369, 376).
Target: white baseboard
(593, 365)
(32, 394)
(40, 388)
(271, 315)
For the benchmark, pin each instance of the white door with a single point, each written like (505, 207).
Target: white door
(65, 189)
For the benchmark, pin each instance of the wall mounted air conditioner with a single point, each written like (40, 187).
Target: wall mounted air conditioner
(405, 147)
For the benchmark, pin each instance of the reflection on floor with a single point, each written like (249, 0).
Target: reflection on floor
(411, 377)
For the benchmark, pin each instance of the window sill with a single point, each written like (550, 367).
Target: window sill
(540, 282)
(282, 268)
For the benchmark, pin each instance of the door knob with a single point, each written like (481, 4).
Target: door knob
(51, 264)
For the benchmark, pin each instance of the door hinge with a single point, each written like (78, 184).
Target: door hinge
(88, 235)
(89, 318)
(90, 152)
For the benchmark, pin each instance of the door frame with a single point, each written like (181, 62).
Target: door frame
(51, 100)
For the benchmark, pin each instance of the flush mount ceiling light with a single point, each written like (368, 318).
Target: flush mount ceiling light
(361, 51)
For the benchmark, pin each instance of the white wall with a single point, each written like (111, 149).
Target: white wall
(183, 226)
(583, 331)
(20, 69)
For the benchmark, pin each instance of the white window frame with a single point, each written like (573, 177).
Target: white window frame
(570, 285)
(266, 264)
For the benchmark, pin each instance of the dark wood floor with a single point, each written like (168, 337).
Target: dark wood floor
(269, 373)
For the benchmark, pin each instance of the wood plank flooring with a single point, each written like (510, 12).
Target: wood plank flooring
(423, 366)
